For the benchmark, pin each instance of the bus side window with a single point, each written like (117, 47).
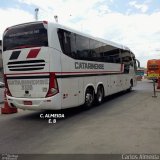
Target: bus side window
(131, 62)
(82, 47)
(126, 60)
(61, 37)
(73, 45)
(64, 38)
(95, 50)
(112, 54)
(67, 43)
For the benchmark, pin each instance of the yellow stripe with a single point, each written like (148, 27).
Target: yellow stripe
(153, 75)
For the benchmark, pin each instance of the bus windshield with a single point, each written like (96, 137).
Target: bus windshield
(153, 67)
(32, 35)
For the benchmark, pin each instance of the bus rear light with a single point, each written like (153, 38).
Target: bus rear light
(53, 86)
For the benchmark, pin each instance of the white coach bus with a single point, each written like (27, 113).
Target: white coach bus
(49, 66)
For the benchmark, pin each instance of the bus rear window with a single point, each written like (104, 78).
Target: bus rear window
(33, 35)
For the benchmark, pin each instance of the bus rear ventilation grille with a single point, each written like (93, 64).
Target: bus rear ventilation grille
(30, 65)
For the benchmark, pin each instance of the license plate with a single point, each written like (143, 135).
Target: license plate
(27, 102)
(27, 87)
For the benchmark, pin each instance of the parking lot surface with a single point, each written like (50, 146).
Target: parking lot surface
(124, 123)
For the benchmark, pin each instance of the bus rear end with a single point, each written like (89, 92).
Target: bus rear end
(153, 69)
(26, 59)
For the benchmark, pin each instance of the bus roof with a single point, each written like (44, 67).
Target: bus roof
(57, 25)
(150, 61)
(90, 36)
(153, 60)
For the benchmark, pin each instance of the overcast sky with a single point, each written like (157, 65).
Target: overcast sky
(134, 23)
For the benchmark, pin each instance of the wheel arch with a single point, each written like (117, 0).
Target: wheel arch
(89, 86)
(101, 85)
(89, 89)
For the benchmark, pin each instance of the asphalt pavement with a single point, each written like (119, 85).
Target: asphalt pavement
(124, 123)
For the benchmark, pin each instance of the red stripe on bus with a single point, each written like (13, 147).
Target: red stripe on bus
(33, 53)
(88, 72)
(66, 72)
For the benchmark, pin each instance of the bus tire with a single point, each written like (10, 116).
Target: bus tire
(89, 97)
(99, 95)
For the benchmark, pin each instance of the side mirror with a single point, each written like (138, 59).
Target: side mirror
(138, 63)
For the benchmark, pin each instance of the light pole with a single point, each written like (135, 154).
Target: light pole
(56, 18)
(36, 14)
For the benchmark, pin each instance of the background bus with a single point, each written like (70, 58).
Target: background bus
(153, 69)
(140, 73)
(49, 66)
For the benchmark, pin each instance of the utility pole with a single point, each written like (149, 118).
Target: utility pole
(56, 18)
(36, 14)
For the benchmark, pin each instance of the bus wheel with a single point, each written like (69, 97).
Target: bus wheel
(100, 95)
(89, 97)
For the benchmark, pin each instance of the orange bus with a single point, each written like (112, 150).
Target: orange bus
(153, 69)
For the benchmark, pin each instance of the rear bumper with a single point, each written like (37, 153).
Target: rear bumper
(49, 103)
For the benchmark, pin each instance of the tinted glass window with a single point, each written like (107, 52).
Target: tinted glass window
(61, 39)
(126, 60)
(111, 54)
(25, 36)
(153, 67)
(82, 46)
(96, 50)
(126, 57)
(73, 45)
(66, 41)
